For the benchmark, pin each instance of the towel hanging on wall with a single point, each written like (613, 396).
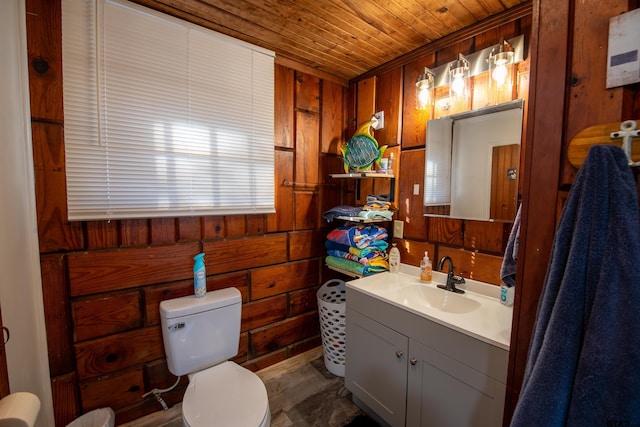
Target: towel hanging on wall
(510, 259)
(582, 366)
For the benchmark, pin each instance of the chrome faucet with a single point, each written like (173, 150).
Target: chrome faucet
(452, 280)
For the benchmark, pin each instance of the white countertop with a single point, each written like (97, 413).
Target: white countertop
(485, 319)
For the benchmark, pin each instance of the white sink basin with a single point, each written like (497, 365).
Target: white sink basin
(439, 299)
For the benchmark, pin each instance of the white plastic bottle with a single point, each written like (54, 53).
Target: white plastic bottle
(394, 259)
(425, 268)
(390, 164)
(199, 276)
(506, 295)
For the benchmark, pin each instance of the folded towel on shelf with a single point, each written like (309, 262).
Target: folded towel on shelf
(372, 251)
(374, 203)
(358, 235)
(378, 262)
(510, 259)
(343, 210)
(346, 255)
(376, 214)
(373, 260)
(355, 267)
(380, 197)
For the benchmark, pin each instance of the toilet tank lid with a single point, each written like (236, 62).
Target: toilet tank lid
(188, 305)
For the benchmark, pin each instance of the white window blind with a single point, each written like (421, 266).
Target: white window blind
(163, 118)
(437, 177)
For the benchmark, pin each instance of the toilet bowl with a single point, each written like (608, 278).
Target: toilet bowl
(200, 336)
(225, 395)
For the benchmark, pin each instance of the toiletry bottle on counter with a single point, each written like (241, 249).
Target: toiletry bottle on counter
(394, 259)
(390, 164)
(425, 268)
(199, 276)
(506, 294)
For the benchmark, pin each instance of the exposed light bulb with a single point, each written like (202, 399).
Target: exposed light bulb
(458, 85)
(500, 56)
(423, 97)
(499, 74)
(423, 89)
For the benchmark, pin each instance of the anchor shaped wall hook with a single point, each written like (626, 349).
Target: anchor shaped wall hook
(628, 129)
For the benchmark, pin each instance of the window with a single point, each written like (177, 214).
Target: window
(163, 118)
(437, 176)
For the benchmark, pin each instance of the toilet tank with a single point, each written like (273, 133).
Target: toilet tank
(201, 332)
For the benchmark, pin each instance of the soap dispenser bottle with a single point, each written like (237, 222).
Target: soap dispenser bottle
(425, 268)
(394, 259)
(199, 276)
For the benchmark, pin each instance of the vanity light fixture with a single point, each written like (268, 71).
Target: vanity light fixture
(459, 77)
(499, 58)
(424, 85)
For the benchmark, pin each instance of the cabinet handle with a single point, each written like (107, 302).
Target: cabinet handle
(413, 361)
(399, 354)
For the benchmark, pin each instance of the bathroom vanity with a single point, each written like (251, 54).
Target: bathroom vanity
(417, 355)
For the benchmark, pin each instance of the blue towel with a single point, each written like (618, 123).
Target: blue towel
(510, 259)
(342, 210)
(583, 367)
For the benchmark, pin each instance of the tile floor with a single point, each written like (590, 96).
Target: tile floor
(302, 393)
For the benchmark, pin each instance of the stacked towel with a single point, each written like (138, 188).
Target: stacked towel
(358, 248)
(366, 256)
(359, 236)
(377, 207)
(377, 203)
(582, 367)
(375, 214)
(354, 267)
(336, 211)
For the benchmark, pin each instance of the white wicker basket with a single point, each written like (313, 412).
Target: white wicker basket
(331, 308)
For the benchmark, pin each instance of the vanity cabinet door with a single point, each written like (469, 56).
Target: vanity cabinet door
(444, 392)
(376, 367)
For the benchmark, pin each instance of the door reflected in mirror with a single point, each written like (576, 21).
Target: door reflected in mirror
(472, 164)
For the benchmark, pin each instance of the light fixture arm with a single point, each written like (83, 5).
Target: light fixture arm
(460, 65)
(427, 77)
(501, 54)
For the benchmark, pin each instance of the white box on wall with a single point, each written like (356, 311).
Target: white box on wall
(623, 60)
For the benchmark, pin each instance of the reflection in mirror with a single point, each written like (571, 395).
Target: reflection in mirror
(472, 164)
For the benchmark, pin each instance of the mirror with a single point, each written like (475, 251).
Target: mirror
(472, 164)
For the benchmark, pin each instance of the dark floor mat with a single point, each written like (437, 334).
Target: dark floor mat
(362, 421)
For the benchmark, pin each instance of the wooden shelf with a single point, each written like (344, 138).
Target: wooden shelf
(361, 175)
(350, 273)
(345, 272)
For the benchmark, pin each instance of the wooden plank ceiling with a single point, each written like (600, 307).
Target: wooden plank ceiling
(343, 38)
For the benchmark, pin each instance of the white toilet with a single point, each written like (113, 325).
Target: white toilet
(199, 335)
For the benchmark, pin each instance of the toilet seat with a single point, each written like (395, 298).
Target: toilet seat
(225, 395)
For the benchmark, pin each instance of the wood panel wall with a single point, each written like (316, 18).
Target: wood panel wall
(103, 280)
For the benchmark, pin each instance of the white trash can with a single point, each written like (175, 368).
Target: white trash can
(103, 417)
(331, 309)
